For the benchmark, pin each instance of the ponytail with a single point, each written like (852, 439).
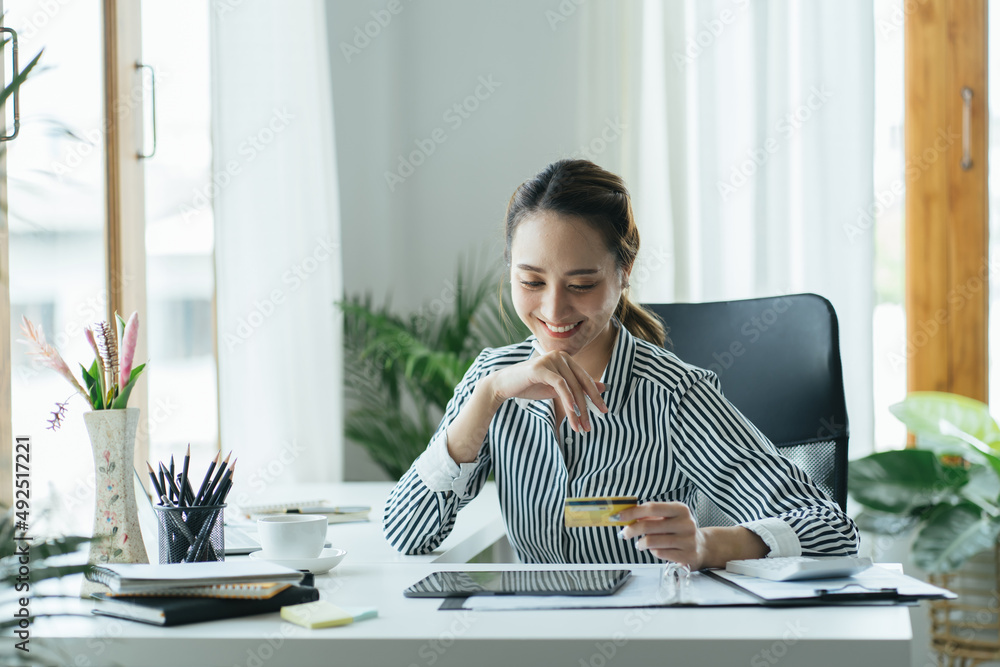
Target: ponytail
(640, 322)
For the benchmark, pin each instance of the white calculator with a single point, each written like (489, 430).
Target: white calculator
(793, 568)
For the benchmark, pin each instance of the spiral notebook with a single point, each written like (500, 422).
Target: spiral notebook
(221, 591)
(134, 578)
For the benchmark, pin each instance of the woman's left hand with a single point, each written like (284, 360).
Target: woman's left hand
(668, 531)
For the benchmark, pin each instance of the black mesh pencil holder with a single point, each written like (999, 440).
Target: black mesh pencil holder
(191, 534)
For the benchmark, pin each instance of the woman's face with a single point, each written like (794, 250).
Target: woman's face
(564, 282)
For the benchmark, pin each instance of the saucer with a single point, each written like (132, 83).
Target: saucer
(326, 561)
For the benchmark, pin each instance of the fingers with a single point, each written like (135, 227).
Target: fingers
(590, 387)
(582, 386)
(576, 409)
(569, 399)
(675, 539)
(579, 385)
(668, 510)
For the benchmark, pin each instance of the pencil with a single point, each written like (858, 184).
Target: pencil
(219, 489)
(228, 485)
(152, 478)
(214, 485)
(208, 475)
(174, 491)
(184, 475)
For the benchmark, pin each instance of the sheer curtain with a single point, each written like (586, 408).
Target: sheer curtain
(748, 145)
(277, 243)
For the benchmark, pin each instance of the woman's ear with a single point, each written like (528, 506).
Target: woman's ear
(626, 275)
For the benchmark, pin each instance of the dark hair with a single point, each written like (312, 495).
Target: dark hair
(581, 189)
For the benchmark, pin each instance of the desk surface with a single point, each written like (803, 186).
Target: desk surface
(412, 632)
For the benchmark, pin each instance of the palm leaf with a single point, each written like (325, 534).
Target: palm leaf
(400, 372)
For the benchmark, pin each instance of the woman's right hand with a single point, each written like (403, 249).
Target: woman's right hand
(554, 375)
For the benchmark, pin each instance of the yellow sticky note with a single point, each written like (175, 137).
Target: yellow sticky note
(596, 510)
(318, 614)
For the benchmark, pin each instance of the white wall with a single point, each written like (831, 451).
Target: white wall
(397, 89)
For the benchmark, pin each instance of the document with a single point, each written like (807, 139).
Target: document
(718, 588)
(645, 588)
(875, 583)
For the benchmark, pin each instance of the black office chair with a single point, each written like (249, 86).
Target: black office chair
(778, 360)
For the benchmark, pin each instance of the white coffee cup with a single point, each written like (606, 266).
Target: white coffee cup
(290, 536)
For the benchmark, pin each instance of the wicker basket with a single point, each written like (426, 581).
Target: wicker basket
(966, 631)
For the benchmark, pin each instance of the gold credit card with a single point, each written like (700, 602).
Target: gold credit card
(597, 511)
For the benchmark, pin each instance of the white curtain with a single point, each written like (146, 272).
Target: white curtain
(277, 236)
(748, 146)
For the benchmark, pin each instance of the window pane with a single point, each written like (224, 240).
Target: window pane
(179, 234)
(55, 176)
(887, 215)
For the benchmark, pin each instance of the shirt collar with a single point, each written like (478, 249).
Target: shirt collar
(617, 375)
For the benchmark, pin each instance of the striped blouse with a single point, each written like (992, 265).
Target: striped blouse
(668, 432)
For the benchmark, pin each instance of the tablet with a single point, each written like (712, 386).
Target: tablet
(518, 582)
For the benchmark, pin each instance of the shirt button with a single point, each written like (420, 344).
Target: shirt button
(568, 441)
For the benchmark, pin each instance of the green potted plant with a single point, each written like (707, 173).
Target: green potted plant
(401, 370)
(947, 488)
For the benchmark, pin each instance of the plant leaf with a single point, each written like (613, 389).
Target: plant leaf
(929, 413)
(123, 393)
(903, 481)
(92, 379)
(983, 489)
(884, 523)
(951, 535)
(120, 326)
(20, 78)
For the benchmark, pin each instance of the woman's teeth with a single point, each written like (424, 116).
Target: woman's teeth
(560, 329)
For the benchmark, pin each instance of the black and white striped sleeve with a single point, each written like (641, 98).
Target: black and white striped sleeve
(424, 504)
(732, 462)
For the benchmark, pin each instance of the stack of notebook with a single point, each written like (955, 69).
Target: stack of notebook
(333, 513)
(182, 593)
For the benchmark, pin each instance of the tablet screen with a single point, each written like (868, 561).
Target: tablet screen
(520, 582)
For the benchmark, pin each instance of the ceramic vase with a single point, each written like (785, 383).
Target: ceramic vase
(117, 538)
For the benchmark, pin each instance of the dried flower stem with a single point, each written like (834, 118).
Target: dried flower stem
(39, 348)
(107, 345)
(58, 415)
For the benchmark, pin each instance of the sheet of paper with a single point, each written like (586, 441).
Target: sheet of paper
(873, 579)
(645, 588)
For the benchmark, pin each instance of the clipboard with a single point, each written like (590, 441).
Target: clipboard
(876, 585)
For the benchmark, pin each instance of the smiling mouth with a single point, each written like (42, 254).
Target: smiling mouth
(562, 329)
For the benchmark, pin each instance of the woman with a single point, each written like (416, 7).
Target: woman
(591, 405)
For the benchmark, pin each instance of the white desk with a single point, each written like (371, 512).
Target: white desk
(411, 632)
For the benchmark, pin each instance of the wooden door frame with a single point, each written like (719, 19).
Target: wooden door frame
(125, 228)
(947, 215)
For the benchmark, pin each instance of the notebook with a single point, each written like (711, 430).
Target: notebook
(147, 578)
(227, 591)
(333, 513)
(179, 611)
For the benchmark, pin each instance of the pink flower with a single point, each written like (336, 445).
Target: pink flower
(129, 339)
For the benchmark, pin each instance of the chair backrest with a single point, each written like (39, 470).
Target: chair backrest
(778, 361)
